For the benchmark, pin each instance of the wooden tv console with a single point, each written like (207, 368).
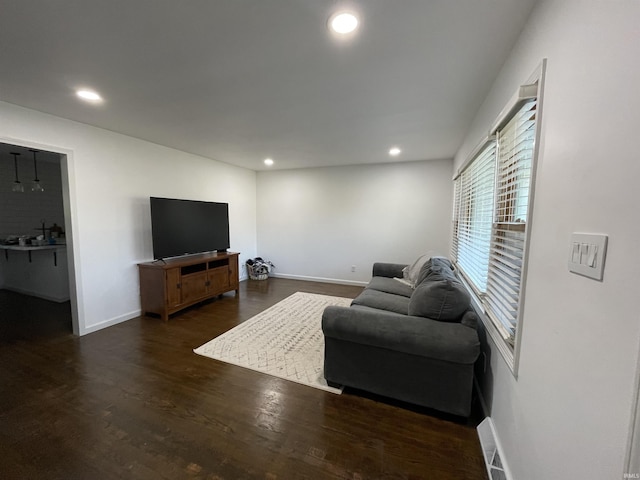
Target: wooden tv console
(168, 286)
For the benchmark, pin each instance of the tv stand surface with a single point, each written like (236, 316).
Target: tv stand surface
(176, 283)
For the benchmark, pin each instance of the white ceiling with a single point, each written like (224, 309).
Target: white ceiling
(242, 80)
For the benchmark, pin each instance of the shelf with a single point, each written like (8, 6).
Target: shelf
(191, 269)
(223, 262)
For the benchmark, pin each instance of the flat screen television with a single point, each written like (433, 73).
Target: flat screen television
(182, 227)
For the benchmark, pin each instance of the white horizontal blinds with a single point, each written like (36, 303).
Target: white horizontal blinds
(513, 186)
(477, 185)
(455, 219)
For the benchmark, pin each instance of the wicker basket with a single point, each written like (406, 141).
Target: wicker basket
(259, 276)
(257, 273)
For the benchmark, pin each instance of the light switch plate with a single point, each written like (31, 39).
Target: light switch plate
(587, 252)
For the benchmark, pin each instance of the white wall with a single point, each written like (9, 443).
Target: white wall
(111, 178)
(568, 413)
(316, 223)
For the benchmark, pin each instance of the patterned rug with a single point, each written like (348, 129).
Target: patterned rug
(285, 340)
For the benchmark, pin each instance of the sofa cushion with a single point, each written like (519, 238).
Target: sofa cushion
(446, 341)
(385, 269)
(390, 285)
(383, 301)
(470, 319)
(440, 296)
(434, 262)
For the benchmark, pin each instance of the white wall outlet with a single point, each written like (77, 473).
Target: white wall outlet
(587, 254)
(353, 268)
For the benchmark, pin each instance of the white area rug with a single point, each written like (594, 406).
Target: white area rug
(285, 340)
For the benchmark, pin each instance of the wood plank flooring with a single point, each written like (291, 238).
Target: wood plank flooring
(134, 402)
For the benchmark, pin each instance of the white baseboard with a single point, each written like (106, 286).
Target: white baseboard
(305, 278)
(37, 294)
(110, 322)
(136, 313)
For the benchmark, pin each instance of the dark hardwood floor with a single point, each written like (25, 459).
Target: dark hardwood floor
(23, 317)
(133, 401)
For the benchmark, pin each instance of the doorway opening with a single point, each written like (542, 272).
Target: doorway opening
(36, 261)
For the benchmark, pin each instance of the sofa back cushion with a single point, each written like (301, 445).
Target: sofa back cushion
(439, 295)
(433, 262)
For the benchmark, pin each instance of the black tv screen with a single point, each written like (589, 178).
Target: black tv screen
(181, 227)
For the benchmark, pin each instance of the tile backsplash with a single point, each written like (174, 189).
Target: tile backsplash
(22, 213)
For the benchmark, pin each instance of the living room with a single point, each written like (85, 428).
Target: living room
(570, 411)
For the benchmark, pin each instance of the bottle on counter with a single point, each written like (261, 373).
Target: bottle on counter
(56, 231)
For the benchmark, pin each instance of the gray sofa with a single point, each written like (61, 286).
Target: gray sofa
(416, 343)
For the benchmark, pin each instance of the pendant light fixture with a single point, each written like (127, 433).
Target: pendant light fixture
(17, 186)
(35, 185)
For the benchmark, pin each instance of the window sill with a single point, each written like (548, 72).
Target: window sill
(511, 226)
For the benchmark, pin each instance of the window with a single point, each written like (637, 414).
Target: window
(493, 195)
(516, 142)
(474, 190)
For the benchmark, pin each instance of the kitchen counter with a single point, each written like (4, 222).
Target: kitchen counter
(36, 270)
(30, 248)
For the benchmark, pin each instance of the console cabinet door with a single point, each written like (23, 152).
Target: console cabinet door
(219, 278)
(194, 286)
(174, 298)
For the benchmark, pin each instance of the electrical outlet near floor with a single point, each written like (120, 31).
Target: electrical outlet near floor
(353, 268)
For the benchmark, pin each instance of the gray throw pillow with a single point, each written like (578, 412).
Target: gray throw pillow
(410, 273)
(440, 296)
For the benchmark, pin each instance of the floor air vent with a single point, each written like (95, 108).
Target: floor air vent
(491, 451)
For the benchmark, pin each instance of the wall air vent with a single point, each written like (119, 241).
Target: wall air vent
(492, 451)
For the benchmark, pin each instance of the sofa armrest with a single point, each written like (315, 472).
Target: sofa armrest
(450, 342)
(388, 270)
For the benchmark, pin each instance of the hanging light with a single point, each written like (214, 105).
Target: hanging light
(17, 186)
(35, 185)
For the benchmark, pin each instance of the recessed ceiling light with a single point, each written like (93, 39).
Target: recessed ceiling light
(89, 95)
(395, 151)
(343, 22)
(268, 162)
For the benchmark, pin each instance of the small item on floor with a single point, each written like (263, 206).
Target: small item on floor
(259, 269)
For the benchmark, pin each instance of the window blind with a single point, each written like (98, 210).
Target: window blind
(515, 148)
(476, 185)
(455, 220)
